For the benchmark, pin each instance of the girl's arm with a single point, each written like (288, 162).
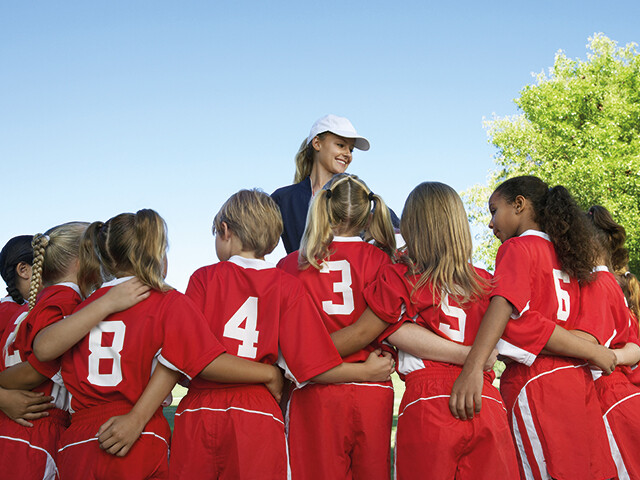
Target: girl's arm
(21, 376)
(564, 343)
(423, 343)
(358, 335)
(466, 394)
(118, 434)
(228, 368)
(375, 369)
(21, 406)
(53, 341)
(627, 355)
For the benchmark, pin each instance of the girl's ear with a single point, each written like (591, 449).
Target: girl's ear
(23, 270)
(315, 143)
(519, 204)
(224, 231)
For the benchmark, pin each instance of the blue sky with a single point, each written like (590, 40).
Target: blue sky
(108, 107)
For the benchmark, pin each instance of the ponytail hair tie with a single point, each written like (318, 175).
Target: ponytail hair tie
(371, 196)
(627, 273)
(328, 194)
(46, 237)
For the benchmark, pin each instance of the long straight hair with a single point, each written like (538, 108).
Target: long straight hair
(436, 230)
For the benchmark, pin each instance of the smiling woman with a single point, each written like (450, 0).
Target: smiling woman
(326, 151)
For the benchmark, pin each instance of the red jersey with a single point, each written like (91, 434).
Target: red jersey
(8, 310)
(529, 276)
(337, 288)
(390, 298)
(258, 311)
(603, 310)
(634, 336)
(115, 360)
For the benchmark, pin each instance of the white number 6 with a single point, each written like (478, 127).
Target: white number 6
(564, 301)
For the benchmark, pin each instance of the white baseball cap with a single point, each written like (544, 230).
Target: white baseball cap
(340, 126)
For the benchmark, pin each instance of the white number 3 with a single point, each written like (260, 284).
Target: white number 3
(247, 335)
(343, 287)
(564, 301)
(100, 352)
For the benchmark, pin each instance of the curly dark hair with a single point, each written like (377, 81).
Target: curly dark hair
(611, 236)
(17, 250)
(559, 216)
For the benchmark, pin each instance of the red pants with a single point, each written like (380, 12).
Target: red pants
(229, 433)
(556, 421)
(431, 443)
(30, 453)
(340, 431)
(620, 404)
(80, 456)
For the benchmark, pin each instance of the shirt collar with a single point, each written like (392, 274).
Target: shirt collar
(254, 263)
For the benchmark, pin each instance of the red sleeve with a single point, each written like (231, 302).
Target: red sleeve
(513, 275)
(387, 296)
(634, 336)
(524, 337)
(304, 341)
(188, 345)
(594, 313)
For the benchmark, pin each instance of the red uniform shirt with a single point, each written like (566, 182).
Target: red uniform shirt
(390, 298)
(258, 311)
(8, 310)
(114, 361)
(52, 305)
(337, 288)
(529, 276)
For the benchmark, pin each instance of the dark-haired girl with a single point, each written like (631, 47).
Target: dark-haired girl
(16, 259)
(552, 406)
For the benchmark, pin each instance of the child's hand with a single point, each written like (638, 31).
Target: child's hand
(493, 358)
(118, 434)
(379, 367)
(276, 384)
(604, 358)
(466, 394)
(22, 405)
(125, 295)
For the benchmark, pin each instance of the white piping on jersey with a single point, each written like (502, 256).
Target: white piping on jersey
(516, 353)
(528, 473)
(51, 470)
(621, 468)
(596, 373)
(526, 307)
(422, 399)
(253, 263)
(171, 366)
(530, 428)
(116, 281)
(257, 412)
(390, 387)
(347, 239)
(535, 233)
(71, 285)
(95, 440)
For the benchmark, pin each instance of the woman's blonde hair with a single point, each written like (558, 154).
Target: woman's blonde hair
(53, 255)
(127, 244)
(345, 205)
(436, 230)
(254, 218)
(304, 159)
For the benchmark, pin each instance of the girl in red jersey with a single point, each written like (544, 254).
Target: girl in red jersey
(260, 313)
(551, 402)
(435, 286)
(16, 259)
(339, 431)
(108, 369)
(605, 318)
(31, 452)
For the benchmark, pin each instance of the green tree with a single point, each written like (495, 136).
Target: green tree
(579, 126)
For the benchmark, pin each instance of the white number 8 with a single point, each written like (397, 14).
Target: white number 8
(100, 352)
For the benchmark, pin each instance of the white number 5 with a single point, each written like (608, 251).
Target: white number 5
(455, 312)
(564, 302)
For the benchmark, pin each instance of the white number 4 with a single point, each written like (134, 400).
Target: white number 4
(564, 302)
(247, 335)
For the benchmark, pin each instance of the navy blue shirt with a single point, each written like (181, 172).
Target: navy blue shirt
(293, 201)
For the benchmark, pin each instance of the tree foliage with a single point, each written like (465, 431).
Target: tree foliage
(579, 126)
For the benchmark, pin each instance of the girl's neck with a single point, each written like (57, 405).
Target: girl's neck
(319, 177)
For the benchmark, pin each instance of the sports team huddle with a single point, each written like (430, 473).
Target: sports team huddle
(288, 366)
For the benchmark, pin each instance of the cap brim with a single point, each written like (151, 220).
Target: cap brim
(360, 143)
